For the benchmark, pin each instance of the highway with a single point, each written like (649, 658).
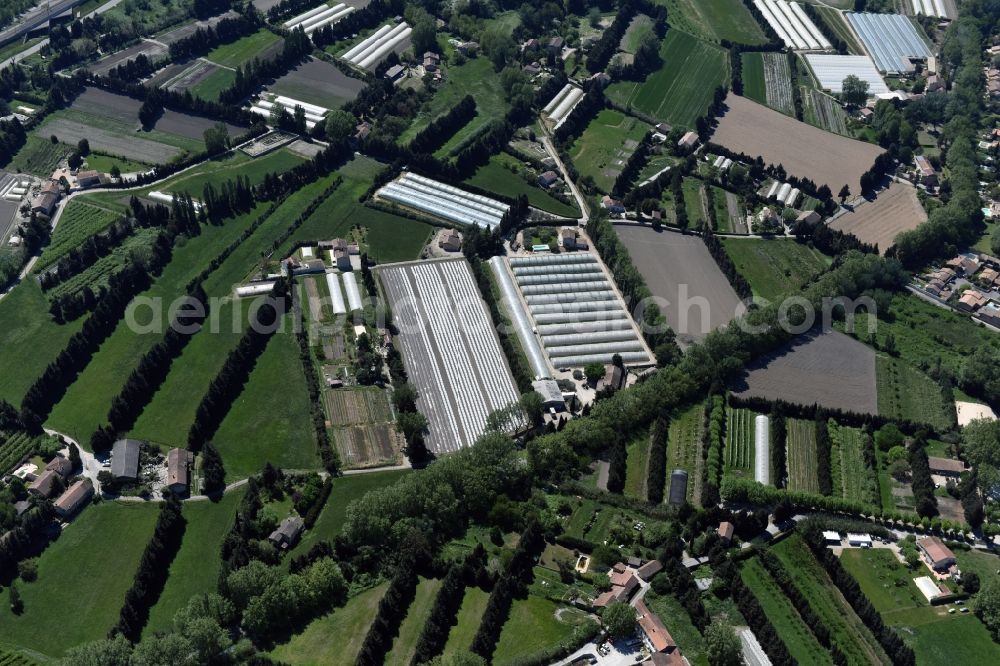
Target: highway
(38, 47)
(35, 18)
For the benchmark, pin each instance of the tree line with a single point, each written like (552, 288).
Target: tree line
(656, 475)
(443, 127)
(748, 605)
(392, 608)
(726, 265)
(924, 501)
(633, 166)
(715, 433)
(231, 378)
(151, 576)
(778, 431)
(206, 38)
(251, 75)
(605, 47)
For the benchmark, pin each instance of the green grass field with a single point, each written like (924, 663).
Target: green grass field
(405, 645)
(934, 635)
(635, 468)
(846, 629)
(469, 615)
(857, 482)
(82, 579)
(776, 267)
(681, 90)
(684, 448)
(715, 20)
(801, 455)
(79, 221)
(739, 454)
(261, 427)
(576, 526)
(495, 176)
(787, 622)
(195, 569)
(236, 53)
(532, 628)
(906, 393)
(753, 77)
(693, 202)
(104, 163)
(29, 339)
(476, 77)
(209, 87)
(334, 639)
(604, 147)
(38, 156)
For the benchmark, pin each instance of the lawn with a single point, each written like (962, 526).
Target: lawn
(78, 222)
(104, 164)
(681, 90)
(469, 615)
(693, 202)
(475, 77)
(801, 455)
(715, 20)
(846, 629)
(635, 468)
(906, 393)
(791, 629)
(577, 523)
(261, 427)
(236, 53)
(684, 448)
(605, 146)
(496, 176)
(82, 579)
(754, 86)
(195, 569)
(934, 635)
(29, 339)
(405, 645)
(334, 639)
(775, 267)
(532, 628)
(212, 85)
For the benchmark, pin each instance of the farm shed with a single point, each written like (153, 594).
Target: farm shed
(678, 487)
(551, 395)
(125, 459)
(891, 39)
(831, 538)
(179, 463)
(762, 450)
(946, 466)
(648, 570)
(831, 70)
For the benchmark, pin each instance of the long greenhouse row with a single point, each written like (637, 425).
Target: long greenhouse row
(563, 103)
(929, 8)
(320, 17)
(891, 39)
(831, 70)
(369, 52)
(794, 28)
(267, 104)
(579, 317)
(450, 349)
(443, 201)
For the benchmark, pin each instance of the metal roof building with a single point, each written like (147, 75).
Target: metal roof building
(831, 70)
(891, 39)
(125, 459)
(678, 487)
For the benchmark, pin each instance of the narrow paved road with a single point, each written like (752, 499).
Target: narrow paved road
(580, 200)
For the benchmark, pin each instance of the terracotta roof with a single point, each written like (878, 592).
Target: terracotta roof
(76, 495)
(177, 467)
(935, 549)
(43, 484)
(726, 530)
(625, 580)
(60, 465)
(658, 636)
(946, 464)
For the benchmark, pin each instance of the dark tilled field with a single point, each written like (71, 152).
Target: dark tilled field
(679, 269)
(131, 147)
(318, 82)
(107, 63)
(191, 127)
(829, 369)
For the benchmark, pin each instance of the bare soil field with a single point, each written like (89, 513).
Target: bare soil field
(879, 221)
(347, 407)
(829, 369)
(131, 147)
(368, 446)
(805, 151)
(318, 82)
(106, 64)
(678, 269)
(191, 127)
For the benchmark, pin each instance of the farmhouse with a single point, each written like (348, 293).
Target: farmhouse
(809, 217)
(45, 203)
(86, 179)
(648, 570)
(654, 634)
(612, 205)
(74, 498)
(571, 240)
(625, 580)
(44, 485)
(615, 594)
(287, 534)
(925, 171)
(450, 241)
(548, 179)
(938, 555)
(61, 466)
(178, 468)
(341, 259)
(946, 466)
(965, 265)
(688, 141)
(125, 459)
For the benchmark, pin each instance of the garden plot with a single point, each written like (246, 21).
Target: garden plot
(778, 82)
(831, 160)
(151, 50)
(369, 52)
(443, 201)
(368, 445)
(831, 70)
(317, 18)
(355, 407)
(892, 40)
(794, 28)
(801, 455)
(680, 271)
(450, 348)
(563, 103)
(828, 369)
(319, 83)
(740, 455)
(604, 148)
(879, 221)
(824, 112)
(579, 315)
(188, 77)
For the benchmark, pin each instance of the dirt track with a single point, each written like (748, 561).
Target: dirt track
(894, 211)
(805, 151)
(829, 369)
(679, 269)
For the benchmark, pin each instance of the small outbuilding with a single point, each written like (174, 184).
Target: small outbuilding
(726, 531)
(859, 540)
(688, 141)
(178, 470)
(551, 394)
(831, 538)
(125, 459)
(678, 487)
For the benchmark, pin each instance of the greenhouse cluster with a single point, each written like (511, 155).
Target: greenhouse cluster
(831, 70)
(264, 107)
(794, 28)
(562, 104)
(444, 201)
(784, 192)
(891, 39)
(370, 51)
(930, 8)
(320, 17)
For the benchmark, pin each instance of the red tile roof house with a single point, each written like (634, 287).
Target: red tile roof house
(726, 531)
(73, 499)
(44, 484)
(655, 635)
(61, 466)
(938, 555)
